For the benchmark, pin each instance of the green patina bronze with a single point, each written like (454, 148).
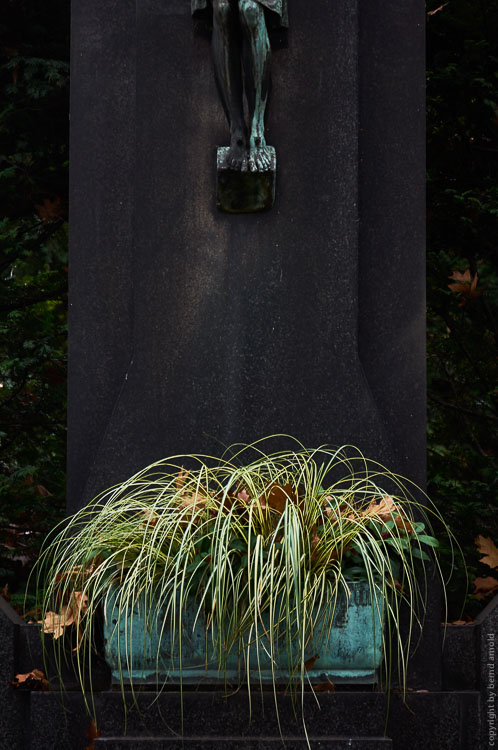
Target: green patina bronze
(352, 652)
(242, 59)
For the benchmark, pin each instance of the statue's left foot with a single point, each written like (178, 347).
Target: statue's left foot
(237, 153)
(260, 157)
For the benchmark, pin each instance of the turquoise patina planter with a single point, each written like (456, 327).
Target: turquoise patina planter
(352, 652)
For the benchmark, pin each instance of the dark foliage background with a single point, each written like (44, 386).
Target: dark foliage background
(34, 80)
(462, 91)
(462, 318)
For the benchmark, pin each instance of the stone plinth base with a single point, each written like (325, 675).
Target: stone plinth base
(244, 743)
(244, 191)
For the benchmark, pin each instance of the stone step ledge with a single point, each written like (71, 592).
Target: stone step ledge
(244, 743)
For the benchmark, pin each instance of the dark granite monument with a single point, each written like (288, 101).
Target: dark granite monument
(191, 328)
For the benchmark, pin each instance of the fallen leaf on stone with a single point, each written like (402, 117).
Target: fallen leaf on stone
(56, 622)
(487, 547)
(92, 733)
(485, 586)
(324, 687)
(467, 621)
(34, 680)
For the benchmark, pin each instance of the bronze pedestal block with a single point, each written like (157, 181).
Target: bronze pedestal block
(243, 191)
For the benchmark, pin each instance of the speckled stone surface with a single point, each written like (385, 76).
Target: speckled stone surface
(446, 721)
(233, 743)
(460, 657)
(14, 706)
(487, 635)
(210, 714)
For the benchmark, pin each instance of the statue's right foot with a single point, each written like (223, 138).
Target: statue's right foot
(237, 153)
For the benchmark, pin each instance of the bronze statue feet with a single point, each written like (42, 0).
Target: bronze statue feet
(256, 157)
(236, 154)
(259, 157)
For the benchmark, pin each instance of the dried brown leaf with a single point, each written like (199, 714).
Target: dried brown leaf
(243, 496)
(56, 622)
(310, 663)
(485, 586)
(324, 687)
(384, 509)
(182, 477)
(465, 285)
(190, 497)
(404, 524)
(388, 510)
(150, 519)
(437, 10)
(92, 733)
(486, 547)
(464, 277)
(198, 499)
(50, 210)
(276, 497)
(42, 491)
(34, 680)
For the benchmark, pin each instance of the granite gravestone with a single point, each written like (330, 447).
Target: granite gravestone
(190, 328)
